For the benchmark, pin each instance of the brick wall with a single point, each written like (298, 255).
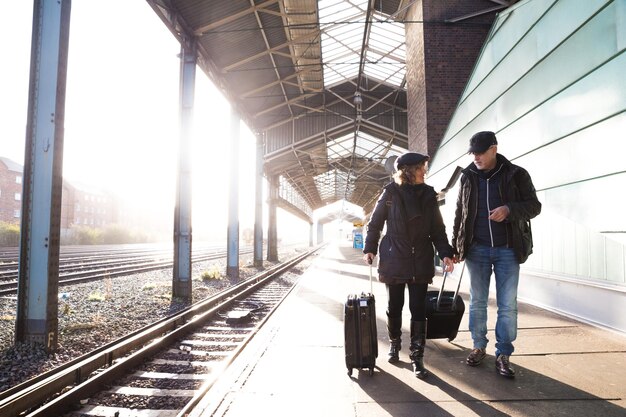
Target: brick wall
(78, 206)
(440, 59)
(416, 80)
(9, 188)
(89, 208)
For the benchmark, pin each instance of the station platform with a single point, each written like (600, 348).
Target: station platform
(295, 365)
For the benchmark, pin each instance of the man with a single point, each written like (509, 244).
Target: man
(492, 232)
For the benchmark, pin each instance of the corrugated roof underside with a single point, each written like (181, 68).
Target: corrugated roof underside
(267, 56)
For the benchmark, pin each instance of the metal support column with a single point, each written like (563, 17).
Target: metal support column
(258, 203)
(311, 231)
(37, 305)
(181, 285)
(272, 232)
(320, 233)
(232, 235)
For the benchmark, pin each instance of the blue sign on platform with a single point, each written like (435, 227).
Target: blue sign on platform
(357, 241)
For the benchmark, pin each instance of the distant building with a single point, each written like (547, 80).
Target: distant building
(86, 206)
(80, 206)
(11, 174)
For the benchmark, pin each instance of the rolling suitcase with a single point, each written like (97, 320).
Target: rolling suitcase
(444, 311)
(361, 342)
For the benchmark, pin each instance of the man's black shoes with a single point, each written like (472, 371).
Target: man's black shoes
(504, 367)
(475, 357)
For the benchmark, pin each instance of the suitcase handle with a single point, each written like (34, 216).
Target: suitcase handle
(443, 283)
(371, 285)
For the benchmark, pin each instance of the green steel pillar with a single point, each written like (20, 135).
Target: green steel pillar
(258, 203)
(232, 235)
(272, 232)
(37, 306)
(182, 284)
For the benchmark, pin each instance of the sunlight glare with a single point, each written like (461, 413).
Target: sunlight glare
(122, 120)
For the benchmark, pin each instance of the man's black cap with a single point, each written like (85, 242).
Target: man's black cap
(410, 158)
(481, 141)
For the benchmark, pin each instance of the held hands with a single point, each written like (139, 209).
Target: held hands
(499, 214)
(448, 264)
(368, 258)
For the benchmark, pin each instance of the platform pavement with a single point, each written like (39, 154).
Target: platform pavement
(295, 365)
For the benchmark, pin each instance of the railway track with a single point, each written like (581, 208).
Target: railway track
(162, 369)
(113, 266)
(80, 254)
(75, 259)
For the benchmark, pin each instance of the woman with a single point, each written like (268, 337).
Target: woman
(414, 224)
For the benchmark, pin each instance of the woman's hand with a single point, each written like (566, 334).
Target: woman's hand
(369, 258)
(448, 264)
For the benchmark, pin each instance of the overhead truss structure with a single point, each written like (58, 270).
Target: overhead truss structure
(323, 81)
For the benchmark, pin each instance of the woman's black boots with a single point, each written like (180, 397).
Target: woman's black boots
(418, 343)
(394, 329)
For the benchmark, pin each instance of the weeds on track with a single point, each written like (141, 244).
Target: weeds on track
(213, 274)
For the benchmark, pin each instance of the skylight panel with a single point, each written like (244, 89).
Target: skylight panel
(343, 24)
(386, 55)
(334, 184)
(340, 148)
(331, 185)
(367, 146)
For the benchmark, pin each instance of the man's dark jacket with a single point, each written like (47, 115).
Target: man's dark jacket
(406, 251)
(516, 191)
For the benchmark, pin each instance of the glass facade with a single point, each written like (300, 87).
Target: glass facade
(551, 82)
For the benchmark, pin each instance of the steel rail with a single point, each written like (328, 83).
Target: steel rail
(9, 270)
(9, 288)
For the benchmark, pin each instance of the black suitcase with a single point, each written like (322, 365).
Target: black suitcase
(444, 311)
(361, 342)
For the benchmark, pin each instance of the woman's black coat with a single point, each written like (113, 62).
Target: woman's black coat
(406, 251)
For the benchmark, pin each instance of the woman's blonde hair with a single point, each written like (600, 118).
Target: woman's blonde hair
(406, 173)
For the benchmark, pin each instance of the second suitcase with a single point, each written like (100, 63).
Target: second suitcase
(444, 311)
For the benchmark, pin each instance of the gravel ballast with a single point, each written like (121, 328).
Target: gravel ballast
(95, 313)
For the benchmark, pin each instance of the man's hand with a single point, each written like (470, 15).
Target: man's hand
(449, 264)
(499, 214)
(368, 258)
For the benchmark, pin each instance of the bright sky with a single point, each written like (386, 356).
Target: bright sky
(121, 123)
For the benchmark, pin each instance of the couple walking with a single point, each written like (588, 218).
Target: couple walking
(491, 234)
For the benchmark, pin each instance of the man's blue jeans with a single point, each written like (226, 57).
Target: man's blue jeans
(481, 261)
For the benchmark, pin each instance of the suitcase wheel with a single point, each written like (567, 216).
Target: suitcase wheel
(350, 371)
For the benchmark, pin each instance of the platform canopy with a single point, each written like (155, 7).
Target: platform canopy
(322, 82)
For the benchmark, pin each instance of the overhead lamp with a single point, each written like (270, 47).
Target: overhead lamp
(358, 101)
